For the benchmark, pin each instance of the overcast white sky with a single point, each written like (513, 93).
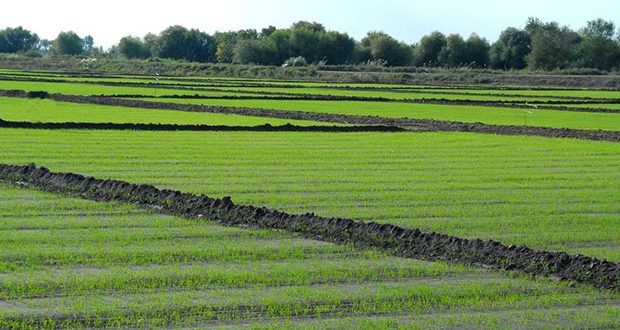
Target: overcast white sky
(406, 20)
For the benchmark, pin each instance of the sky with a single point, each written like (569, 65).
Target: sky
(406, 20)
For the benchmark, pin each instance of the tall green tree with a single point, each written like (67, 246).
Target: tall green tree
(598, 48)
(281, 44)
(553, 46)
(227, 41)
(305, 43)
(201, 47)
(274, 46)
(151, 41)
(510, 50)
(131, 47)
(89, 44)
(429, 48)
(69, 43)
(477, 51)
(15, 40)
(381, 46)
(255, 51)
(172, 43)
(454, 53)
(177, 42)
(336, 48)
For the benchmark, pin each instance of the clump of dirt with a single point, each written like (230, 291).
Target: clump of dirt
(37, 95)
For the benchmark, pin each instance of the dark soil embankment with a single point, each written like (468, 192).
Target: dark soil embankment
(399, 241)
(198, 128)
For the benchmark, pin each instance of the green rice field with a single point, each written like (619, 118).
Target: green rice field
(67, 262)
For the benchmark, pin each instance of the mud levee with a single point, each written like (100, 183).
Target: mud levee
(399, 241)
(198, 128)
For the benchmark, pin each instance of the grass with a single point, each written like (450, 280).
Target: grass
(487, 115)
(72, 263)
(555, 194)
(36, 110)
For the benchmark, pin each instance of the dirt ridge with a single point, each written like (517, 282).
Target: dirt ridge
(198, 128)
(396, 240)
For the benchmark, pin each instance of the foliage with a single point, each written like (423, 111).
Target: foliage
(16, 40)
(308, 40)
(89, 43)
(227, 41)
(540, 46)
(598, 49)
(381, 46)
(177, 42)
(454, 53)
(553, 46)
(429, 49)
(69, 43)
(131, 47)
(253, 52)
(510, 50)
(477, 52)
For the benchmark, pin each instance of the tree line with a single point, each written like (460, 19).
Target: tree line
(538, 46)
